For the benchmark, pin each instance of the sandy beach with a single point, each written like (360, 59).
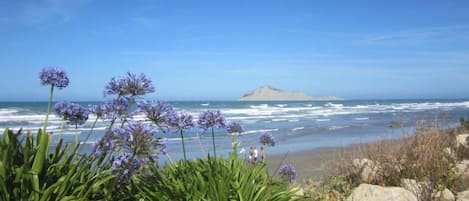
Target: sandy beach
(315, 164)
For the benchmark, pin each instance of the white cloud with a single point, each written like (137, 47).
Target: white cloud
(417, 36)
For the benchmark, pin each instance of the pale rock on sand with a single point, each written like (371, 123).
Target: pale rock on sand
(463, 196)
(461, 167)
(444, 195)
(417, 188)
(461, 140)
(462, 172)
(450, 152)
(367, 192)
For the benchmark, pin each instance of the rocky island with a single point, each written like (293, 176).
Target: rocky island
(268, 93)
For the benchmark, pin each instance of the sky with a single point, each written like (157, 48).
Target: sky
(220, 50)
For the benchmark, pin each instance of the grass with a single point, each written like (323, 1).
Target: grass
(428, 156)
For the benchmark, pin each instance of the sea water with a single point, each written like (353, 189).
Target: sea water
(296, 125)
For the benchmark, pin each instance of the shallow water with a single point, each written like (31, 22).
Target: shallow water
(295, 125)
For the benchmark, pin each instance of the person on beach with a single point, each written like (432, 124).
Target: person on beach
(256, 154)
(251, 155)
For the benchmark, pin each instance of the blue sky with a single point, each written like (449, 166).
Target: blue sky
(218, 50)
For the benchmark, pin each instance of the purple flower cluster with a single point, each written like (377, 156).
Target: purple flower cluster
(137, 138)
(125, 165)
(235, 127)
(267, 139)
(100, 110)
(182, 121)
(160, 113)
(211, 119)
(54, 76)
(73, 113)
(103, 145)
(132, 84)
(288, 173)
(118, 108)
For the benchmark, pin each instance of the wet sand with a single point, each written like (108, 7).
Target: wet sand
(315, 164)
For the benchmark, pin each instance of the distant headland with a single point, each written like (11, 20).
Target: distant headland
(268, 93)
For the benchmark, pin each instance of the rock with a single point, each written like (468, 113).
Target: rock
(444, 195)
(299, 191)
(449, 152)
(463, 196)
(417, 188)
(461, 140)
(367, 192)
(460, 168)
(412, 186)
(367, 169)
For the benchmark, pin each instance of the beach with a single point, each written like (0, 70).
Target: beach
(314, 164)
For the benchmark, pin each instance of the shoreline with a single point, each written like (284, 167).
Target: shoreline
(315, 164)
(319, 163)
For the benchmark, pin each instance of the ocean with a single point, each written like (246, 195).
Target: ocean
(296, 125)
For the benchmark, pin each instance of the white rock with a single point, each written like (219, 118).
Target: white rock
(461, 140)
(460, 169)
(299, 191)
(367, 192)
(412, 186)
(449, 152)
(417, 188)
(444, 195)
(463, 196)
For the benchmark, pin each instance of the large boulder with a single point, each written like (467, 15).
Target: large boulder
(461, 140)
(367, 169)
(462, 175)
(444, 195)
(367, 192)
(417, 188)
(463, 196)
(461, 167)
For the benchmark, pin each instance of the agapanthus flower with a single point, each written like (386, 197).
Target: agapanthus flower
(235, 127)
(118, 108)
(124, 165)
(161, 144)
(73, 113)
(211, 119)
(99, 110)
(181, 121)
(160, 113)
(54, 76)
(103, 145)
(288, 173)
(132, 84)
(267, 139)
(135, 137)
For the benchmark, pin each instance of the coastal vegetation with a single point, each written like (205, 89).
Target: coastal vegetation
(124, 163)
(430, 164)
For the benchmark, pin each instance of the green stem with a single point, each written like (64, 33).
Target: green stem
(213, 142)
(76, 134)
(161, 128)
(91, 130)
(48, 107)
(61, 129)
(183, 145)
